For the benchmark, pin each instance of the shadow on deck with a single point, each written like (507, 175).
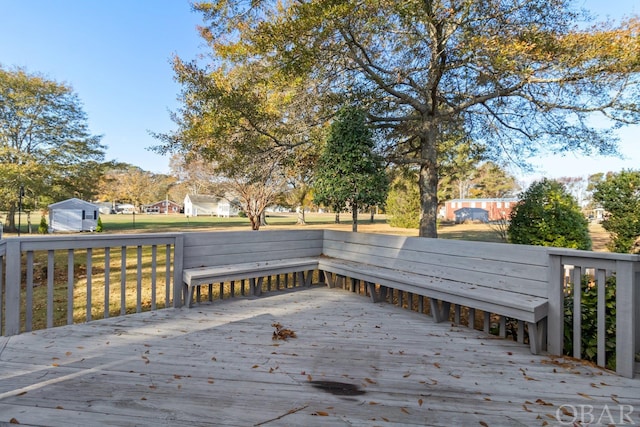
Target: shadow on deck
(351, 363)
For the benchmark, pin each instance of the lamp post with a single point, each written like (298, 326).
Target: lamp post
(20, 196)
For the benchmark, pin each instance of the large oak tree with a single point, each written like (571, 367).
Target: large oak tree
(518, 76)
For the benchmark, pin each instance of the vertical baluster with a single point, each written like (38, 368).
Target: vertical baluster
(28, 321)
(89, 282)
(154, 250)
(107, 280)
(167, 277)
(123, 280)
(577, 312)
(70, 280)
(601, 283)
(139, 281)
(487, 322)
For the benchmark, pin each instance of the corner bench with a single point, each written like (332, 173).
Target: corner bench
(510, 281)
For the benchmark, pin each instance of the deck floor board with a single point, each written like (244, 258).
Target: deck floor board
(217, 364)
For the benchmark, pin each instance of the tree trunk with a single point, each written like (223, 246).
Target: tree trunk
(10, 225)
(255, 221)
(301, 218)
(263, 218)
(354, 216)
(428, 183)
(337, 217)
(373, 212)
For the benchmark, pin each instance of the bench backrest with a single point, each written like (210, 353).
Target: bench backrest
(517, 268)
(206, 249)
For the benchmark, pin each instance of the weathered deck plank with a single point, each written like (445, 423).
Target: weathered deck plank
(218, 365)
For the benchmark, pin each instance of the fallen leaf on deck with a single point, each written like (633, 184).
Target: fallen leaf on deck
(437, 365)
(542, 402)
(59, 407)
(614, 397)
(309, 377)
(373, 403)
(566, 411)
(586, 396)
(483, 424)
(13, 421)
(420, 402)
(68, 353)
(526, 409)
(320, 414)
(370, 381)
(282, 333)
(255, 366)
(405, 411)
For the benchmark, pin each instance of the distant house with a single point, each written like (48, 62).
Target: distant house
(496, 208)
(162, 207)
(471, 214)
(202, 205)
(105, 208)
(73, 215)
(125, 208)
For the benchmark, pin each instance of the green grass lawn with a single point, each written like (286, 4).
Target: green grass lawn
(160, 222)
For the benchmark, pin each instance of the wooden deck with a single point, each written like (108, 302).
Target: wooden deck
(352, 363)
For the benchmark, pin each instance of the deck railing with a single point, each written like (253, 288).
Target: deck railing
(611, 281)
(105, 267)
(102, 275)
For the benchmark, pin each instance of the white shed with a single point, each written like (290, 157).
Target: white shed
(73, 215)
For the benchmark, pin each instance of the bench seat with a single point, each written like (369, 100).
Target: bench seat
(442, 293)
(254, 271)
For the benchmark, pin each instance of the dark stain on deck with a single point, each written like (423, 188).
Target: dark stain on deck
(338, 388)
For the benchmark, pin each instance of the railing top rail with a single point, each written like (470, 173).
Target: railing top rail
(92, 240)
(575, 253)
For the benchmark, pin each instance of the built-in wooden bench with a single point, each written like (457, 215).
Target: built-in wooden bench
(222, 257)
(255, 272)
(507, 280)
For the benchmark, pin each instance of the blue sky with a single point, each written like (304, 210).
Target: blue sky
(116, 55)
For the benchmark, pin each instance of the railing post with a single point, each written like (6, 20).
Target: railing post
(178, 263)
(555, 316)
(12, 290)
(626, 322)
